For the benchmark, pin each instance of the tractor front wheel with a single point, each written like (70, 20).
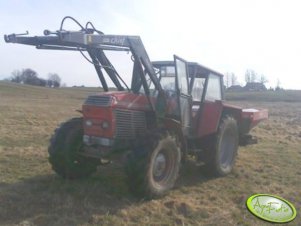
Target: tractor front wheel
(65, 145)
(153, 168)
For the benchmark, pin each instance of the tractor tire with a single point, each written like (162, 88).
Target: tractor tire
(222, 149)
(64, 147)
(153, 168)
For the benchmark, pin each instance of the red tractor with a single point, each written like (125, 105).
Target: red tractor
(172, 109)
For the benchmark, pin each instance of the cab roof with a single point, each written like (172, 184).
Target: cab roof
(194, 68)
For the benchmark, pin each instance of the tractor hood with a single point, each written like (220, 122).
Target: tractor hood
(120, 99)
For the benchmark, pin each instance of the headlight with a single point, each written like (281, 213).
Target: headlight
(88, 123)
(105, 124)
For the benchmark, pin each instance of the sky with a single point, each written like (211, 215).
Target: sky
(228, 36)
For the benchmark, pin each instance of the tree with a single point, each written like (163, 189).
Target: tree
(16, 76)
(253, 76)
(41, 82)
(54, 80)
(30, 77)
(248, 76)
(233, 79)
(278, 85)
(278, 82)
(26, 76)
(227, 80)
(56, 84)
(263, 79)
(49, 83)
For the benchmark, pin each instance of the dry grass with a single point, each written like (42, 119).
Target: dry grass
(31, 194)
(266, 96)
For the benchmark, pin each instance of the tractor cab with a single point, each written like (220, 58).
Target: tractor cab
(198, 91)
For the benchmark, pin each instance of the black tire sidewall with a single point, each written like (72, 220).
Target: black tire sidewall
(63, 151)
(139, 167)
(228, 124)
(172, 154)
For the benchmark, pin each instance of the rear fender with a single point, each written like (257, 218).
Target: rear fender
(211, 114)
(234, 111)
(237, 113)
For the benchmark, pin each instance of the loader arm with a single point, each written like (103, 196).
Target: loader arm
(84, 40)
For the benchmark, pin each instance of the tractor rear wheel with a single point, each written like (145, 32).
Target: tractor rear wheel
(64, 148)
(222, 149)
(153, 168)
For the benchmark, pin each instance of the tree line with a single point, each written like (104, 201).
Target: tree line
(230, 79)
(30, 77)
(252, 76)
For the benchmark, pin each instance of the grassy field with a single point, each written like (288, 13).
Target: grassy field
(31, 194)
(266, 96)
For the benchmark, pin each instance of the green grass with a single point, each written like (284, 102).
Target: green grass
(31, 193)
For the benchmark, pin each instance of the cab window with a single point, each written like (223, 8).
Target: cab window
(167, 79)
(214, 88)
(198, 88)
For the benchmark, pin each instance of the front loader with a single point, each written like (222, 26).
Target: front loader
(170, 110)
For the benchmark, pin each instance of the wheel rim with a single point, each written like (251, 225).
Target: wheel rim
(227, 149)
(160, 167)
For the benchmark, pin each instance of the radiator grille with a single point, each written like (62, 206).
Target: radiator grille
(98, 100)
(129, 123)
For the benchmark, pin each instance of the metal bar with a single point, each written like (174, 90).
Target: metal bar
(35, 41)
(137, 47)
(108, 68)
(69, 40)
(98, 70)
(142, 77)
(113, 48)
(60, 48)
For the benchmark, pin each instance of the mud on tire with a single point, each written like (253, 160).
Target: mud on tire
(153, 168)
(64, 147)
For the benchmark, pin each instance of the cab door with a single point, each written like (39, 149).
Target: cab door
(183, 93)
(211, 106)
